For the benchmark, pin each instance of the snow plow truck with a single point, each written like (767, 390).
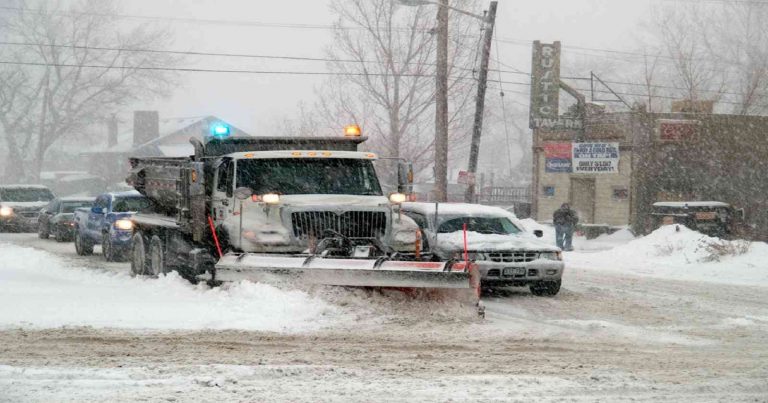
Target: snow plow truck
(309, 208)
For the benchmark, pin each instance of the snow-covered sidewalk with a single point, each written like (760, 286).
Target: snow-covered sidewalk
(39, 290)
(674, 252)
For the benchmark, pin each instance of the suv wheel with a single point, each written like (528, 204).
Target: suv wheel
(546, 288)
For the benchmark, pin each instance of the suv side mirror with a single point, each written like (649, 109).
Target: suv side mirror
(97, 210)
(539, 233)
(243, 193)
(404, 177)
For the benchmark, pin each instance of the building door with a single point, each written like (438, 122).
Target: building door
(583, 198)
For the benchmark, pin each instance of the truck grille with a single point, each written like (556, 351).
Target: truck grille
(354, 224)
(512, 256)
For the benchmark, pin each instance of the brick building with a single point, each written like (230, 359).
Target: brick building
(676, 156)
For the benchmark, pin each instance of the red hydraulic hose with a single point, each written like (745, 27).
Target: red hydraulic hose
(215, 237)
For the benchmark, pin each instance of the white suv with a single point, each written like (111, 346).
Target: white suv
(507, 254)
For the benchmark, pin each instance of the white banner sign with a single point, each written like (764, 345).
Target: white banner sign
(595, 158)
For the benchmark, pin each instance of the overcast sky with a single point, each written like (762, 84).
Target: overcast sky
(253, 101)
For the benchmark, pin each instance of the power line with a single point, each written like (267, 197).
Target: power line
(201, 70)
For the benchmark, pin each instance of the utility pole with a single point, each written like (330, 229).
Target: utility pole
(482, 83)
(441, 105)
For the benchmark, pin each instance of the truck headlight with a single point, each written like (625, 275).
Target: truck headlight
(551, 255)
(124, 225)
(397, 198)
(6, 211)
(271, 198)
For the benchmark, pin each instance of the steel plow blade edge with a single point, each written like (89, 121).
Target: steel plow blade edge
(341, 272)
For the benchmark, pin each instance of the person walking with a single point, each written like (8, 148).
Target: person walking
(565, 220)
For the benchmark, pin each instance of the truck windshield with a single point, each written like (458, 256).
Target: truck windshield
(25, 195)
(308, 176)
(483, 225)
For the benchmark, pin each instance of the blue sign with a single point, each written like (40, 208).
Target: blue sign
(558, 165)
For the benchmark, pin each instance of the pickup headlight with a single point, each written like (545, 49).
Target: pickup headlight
(6, 211)
(551, 255)
(125, 225)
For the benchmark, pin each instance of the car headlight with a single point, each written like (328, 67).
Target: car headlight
(551, 255)
(125, 225)
(6, 211)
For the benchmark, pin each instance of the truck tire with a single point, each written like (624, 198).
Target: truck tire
(138, 255)
(42, 232)
(82, 247)
(108, 250)
(157, 264)
(546, 288)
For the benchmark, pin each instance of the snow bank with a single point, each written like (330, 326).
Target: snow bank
(677, 252)
(37, 290)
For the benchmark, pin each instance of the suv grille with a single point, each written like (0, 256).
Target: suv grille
(512, 257)
(353, 224)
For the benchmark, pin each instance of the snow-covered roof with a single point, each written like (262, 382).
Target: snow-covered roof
(173, 140)
(691, 204)
(22, 186)
(77, 199)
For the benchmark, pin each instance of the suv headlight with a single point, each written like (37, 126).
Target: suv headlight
(125, 225)
(5, 211)
(551, 255)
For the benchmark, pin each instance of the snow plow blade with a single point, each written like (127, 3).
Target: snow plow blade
(344, 271)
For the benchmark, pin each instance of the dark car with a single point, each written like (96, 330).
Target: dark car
(712, 218)
(58, 217)
(20, 206)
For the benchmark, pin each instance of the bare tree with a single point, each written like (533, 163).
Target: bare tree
(70, 67)
(385, 57)
(712, 51)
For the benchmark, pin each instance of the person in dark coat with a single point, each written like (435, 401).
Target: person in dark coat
(565, 220)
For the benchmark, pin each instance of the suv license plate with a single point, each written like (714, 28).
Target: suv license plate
(510, 271)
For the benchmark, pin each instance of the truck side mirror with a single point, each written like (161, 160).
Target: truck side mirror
(243, 193)
(539, 233)
(404, 177)
(740, 214)
(97, 210)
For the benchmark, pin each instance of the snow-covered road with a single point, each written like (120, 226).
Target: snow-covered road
(78, 329)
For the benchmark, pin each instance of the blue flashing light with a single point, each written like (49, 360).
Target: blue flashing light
(220, 130)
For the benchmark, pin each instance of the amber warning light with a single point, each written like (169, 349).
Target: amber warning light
(352, 131)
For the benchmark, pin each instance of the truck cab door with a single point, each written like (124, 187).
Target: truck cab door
(223, 191)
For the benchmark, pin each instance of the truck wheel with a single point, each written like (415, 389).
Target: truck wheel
(157, 262)
(138, 255)
(546, 288)
(42, 232)
(82, 246)
(107, 249)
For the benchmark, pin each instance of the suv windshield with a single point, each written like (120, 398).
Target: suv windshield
(69, 207)
(308, 176)
(25, 195)
(126, 204)
(483, 225)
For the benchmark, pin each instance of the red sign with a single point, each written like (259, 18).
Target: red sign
(466, 178)
(677, 130)
(557, 150)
